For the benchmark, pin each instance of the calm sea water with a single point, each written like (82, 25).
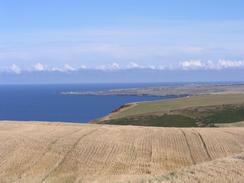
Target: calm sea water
(45, 103)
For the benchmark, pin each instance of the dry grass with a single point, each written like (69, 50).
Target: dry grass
(236, 124)
(55, 152)
(224, 170)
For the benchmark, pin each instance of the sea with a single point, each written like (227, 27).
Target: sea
(46, 103)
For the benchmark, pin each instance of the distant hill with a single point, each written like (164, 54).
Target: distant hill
(201, 111)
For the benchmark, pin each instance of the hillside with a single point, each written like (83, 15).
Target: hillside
(56, 152)
(224, 170)
(195, 111)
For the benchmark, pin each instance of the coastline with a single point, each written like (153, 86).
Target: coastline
(114, 112)
(128, 106)
(165, 91)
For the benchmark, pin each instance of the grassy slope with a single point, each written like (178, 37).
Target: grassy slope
(159, 121)
(226, 116)
(184, 112)
(164, 106)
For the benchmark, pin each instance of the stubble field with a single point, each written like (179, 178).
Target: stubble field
(56, 152)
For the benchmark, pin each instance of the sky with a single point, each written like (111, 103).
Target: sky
(66, 36)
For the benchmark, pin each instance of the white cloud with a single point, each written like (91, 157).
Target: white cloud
(211, 65)
(185, 65)
(68, 68)
(134, 65)
(220, 64)
(230, 64)
(192, 64)
(153, 67)
(39, 67)
(113, 66)
(14, 69)
(65, 68)
(83, 67)
(55, 69)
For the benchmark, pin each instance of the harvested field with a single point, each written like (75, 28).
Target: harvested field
(56, 152)
(236, 124)
(224, 170)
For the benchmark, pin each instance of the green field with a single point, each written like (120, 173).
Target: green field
(164, 106)
(194, 111)
(159, 121)
(228, 115)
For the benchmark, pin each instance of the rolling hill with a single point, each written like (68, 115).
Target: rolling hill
(66, 152)
(195, 111)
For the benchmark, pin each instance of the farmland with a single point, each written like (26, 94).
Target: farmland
(184, 89)
(66, 152)
(224, 170)
(153, 120)
(164, 106)
(201, 111)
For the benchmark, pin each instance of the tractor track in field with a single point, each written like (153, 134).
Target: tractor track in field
(67, 153)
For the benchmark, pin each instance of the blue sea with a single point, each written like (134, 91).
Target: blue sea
(46, 103)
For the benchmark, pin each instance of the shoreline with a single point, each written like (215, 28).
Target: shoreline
(127, 106)
(165, 91)
(114, 112)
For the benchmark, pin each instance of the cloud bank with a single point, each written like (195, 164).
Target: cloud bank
(187, 65)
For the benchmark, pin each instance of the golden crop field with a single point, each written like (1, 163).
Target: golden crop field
(56, 152)
(236, 124)
(224, 170)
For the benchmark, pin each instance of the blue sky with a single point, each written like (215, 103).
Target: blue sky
(61, 34)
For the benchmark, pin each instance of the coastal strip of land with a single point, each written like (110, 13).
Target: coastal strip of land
(196, 111)
(115, 111)
(170, 91)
